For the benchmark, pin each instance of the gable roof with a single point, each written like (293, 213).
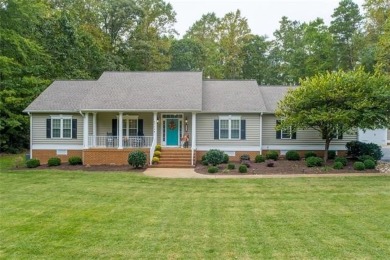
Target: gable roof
(62, 96)
(232, 96)
(271, 96)
(146, 91)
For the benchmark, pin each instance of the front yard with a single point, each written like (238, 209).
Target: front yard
(59, 214)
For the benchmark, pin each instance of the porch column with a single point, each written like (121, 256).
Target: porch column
(85, 133)
(120, 130)
(193, 133)
(94, 129)
(154, 127)
(261, 132)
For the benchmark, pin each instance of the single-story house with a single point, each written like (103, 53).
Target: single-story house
(103, 120)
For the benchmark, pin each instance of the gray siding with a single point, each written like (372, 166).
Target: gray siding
(205, 131)
(39, 130)
(304, 137)
(104, 122)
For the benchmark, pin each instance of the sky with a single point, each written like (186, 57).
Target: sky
(263, 15)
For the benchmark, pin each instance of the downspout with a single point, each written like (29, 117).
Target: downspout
(261, 132)
(31, 132)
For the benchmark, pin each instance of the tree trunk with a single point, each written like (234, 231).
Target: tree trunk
(327, 144)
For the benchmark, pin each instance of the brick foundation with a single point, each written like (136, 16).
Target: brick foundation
(45, 155)
(109, 156)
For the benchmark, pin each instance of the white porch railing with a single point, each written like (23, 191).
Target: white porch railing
(113, 141)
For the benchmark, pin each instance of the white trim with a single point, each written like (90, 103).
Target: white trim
(229, 118)
(228, 148)
(261, 132)
(318, 147)
(94, 128)
(57, 147)
(85, 130)
(120, 131)
(31, 134)
(61, 118)
(193, 133)
(162, 120)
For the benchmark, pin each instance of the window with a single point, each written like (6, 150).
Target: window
(130, 127)
(229, 127)
(61, 127)
(286, 133)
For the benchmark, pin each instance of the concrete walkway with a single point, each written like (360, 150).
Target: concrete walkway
(191, 174)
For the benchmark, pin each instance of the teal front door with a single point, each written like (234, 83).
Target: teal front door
(172, 132)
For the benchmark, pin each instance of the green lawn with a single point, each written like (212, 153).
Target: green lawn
(61, 214)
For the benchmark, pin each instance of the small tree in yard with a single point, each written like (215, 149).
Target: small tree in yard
(337, 102)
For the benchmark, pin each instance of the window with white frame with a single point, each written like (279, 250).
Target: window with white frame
(286, 133)
(130, 126)
(61, 127)
(229, 127)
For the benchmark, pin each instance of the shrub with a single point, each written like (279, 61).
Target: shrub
(33, 163)
(225, 158)
(245, 157)
(155, 160)
(54, 161)
(359, 166)
(214, 157)
(343, 160)
(331, 155)
(338, 165)
(369, 164)
(75, 160)
(158, 148)
(247, 163)
(314, 161)
(259, 158)
(204, 157)
(270, 163)
(272, 155)
(292, 156)
(231, 166)
(356, 149)
(310, 154)
(137, 159)
(157, 154)
(212, 169)
(366, 157)
(243, 168)
(205, 163)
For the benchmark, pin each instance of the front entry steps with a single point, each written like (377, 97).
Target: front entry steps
(174, 158)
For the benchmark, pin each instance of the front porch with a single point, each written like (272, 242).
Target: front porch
(128, 131)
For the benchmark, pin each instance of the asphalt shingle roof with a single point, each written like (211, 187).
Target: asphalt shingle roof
(232, 96)
(62, 96)
(272, 95)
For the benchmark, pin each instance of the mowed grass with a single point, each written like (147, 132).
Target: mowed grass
(78, 215)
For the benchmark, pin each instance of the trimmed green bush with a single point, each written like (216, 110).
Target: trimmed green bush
(158, 148)
(245, 157)
(157, 154)
(314, 161)
(54, 161)
(259, 158)
(75, 160)
(33, 163)
(272, 155)
(356, 149)
(205, 163)
(343, 160)
(231, 166)
(214, 157)
(310, 154)
(338, 165)
(137, 159)
(225, 158)
(331, 155)
(369, 164)
(366, 157)
(293, 156)
(212, 169)
(243, 168)
(359, 166)
(155, 160)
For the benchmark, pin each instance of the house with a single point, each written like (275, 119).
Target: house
(103, 120)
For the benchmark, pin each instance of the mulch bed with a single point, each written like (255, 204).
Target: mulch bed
(103, 168)
(282, 167)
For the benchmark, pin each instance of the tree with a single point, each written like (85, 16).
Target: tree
(345, 27)
(187, 55)
(337, 102)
